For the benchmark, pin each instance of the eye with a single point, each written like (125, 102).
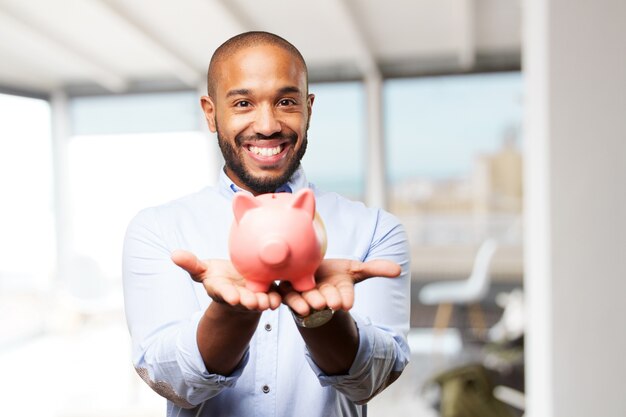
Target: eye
(287, 102)
(242, 103)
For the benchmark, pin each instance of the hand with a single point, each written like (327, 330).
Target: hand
(223, 283)
(335, 280)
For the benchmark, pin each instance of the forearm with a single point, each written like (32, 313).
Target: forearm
(224, 333)
(334, 345)
(379, 360)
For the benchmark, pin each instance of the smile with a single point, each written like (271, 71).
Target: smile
(266, 151)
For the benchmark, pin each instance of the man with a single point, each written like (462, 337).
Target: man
(213, 347)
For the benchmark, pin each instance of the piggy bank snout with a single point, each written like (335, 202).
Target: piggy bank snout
(274, 252)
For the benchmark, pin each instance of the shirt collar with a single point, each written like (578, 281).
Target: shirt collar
(297, 182)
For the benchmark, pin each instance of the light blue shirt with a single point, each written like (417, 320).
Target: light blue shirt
(277, 376)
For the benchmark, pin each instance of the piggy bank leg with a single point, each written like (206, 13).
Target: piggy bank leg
(303, 284)
(256, 286)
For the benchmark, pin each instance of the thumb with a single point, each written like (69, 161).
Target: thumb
(190, 263)
(378, 268)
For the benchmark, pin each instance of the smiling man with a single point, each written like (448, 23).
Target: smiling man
(203, 340)
(259, 105)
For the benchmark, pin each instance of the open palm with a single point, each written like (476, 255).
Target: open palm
(223, 283)
(335, 280)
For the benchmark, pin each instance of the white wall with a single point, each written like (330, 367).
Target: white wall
(575, 69)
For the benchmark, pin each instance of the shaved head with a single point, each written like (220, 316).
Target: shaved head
(242, 41)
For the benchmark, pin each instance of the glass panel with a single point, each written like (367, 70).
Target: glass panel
(113, 177)
(27, 246)
(437, 126)
(335, 155)
(135, 113)
(455, 169)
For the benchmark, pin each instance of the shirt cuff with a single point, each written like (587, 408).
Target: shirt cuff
(193, 368)
(361, 362)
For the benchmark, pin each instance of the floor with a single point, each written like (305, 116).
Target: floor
(415, 395)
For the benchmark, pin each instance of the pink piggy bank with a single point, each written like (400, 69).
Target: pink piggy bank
(277, 237)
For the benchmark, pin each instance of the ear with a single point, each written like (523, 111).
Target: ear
(208, 107)
(309, 105)
(242, 203)
(305, 200)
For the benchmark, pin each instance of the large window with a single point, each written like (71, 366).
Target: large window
(111, 177)
(437, 126)
(124, 155)
(455, 167)
(27, 245)
(129, 152)
(335, 156)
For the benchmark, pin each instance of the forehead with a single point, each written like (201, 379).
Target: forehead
(258, 67)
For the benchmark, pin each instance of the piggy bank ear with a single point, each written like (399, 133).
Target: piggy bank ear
(242, 203)
(305, 200)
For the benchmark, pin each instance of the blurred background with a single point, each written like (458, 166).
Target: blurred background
(508, 181)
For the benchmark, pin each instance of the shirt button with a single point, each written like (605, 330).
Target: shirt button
(268, 327)
(265, 389)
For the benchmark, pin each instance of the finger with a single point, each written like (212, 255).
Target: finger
(226, 292)
(262, 301)
(346, 292)
(375, 268)
(332, 296)
(275, 300)
(247, 298)
(293, 299)
(315, 299)
(190, 263)
(273, 295)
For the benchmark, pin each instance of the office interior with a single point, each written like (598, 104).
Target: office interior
(493, 129)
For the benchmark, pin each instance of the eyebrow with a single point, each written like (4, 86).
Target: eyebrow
(238, 92)
(289, 89)
(245, 91)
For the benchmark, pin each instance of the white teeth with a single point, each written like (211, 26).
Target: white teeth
(265, 151)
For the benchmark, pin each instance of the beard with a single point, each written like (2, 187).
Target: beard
(260, 185)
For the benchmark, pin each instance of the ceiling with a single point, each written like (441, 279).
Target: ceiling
(116, 46)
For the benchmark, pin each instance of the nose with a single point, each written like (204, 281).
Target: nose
(266, 122)
(274, 252)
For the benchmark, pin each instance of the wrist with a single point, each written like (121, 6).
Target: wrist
(224, 309)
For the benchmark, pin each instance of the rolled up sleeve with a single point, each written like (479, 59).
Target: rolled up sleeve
(162, 314)
(379, 354)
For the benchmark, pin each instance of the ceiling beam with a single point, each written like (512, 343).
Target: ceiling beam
(241, 18)
(17, 91)
(184, 70)
(365, 57)
(21, 72)
(98, 71)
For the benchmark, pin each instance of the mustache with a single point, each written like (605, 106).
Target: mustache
(291, 137)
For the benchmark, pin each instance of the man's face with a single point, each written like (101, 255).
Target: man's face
(261, 114)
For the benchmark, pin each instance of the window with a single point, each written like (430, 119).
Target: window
(455, 166)
(334, 160)
(129, 152)
(112, 177)
(27, 239)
